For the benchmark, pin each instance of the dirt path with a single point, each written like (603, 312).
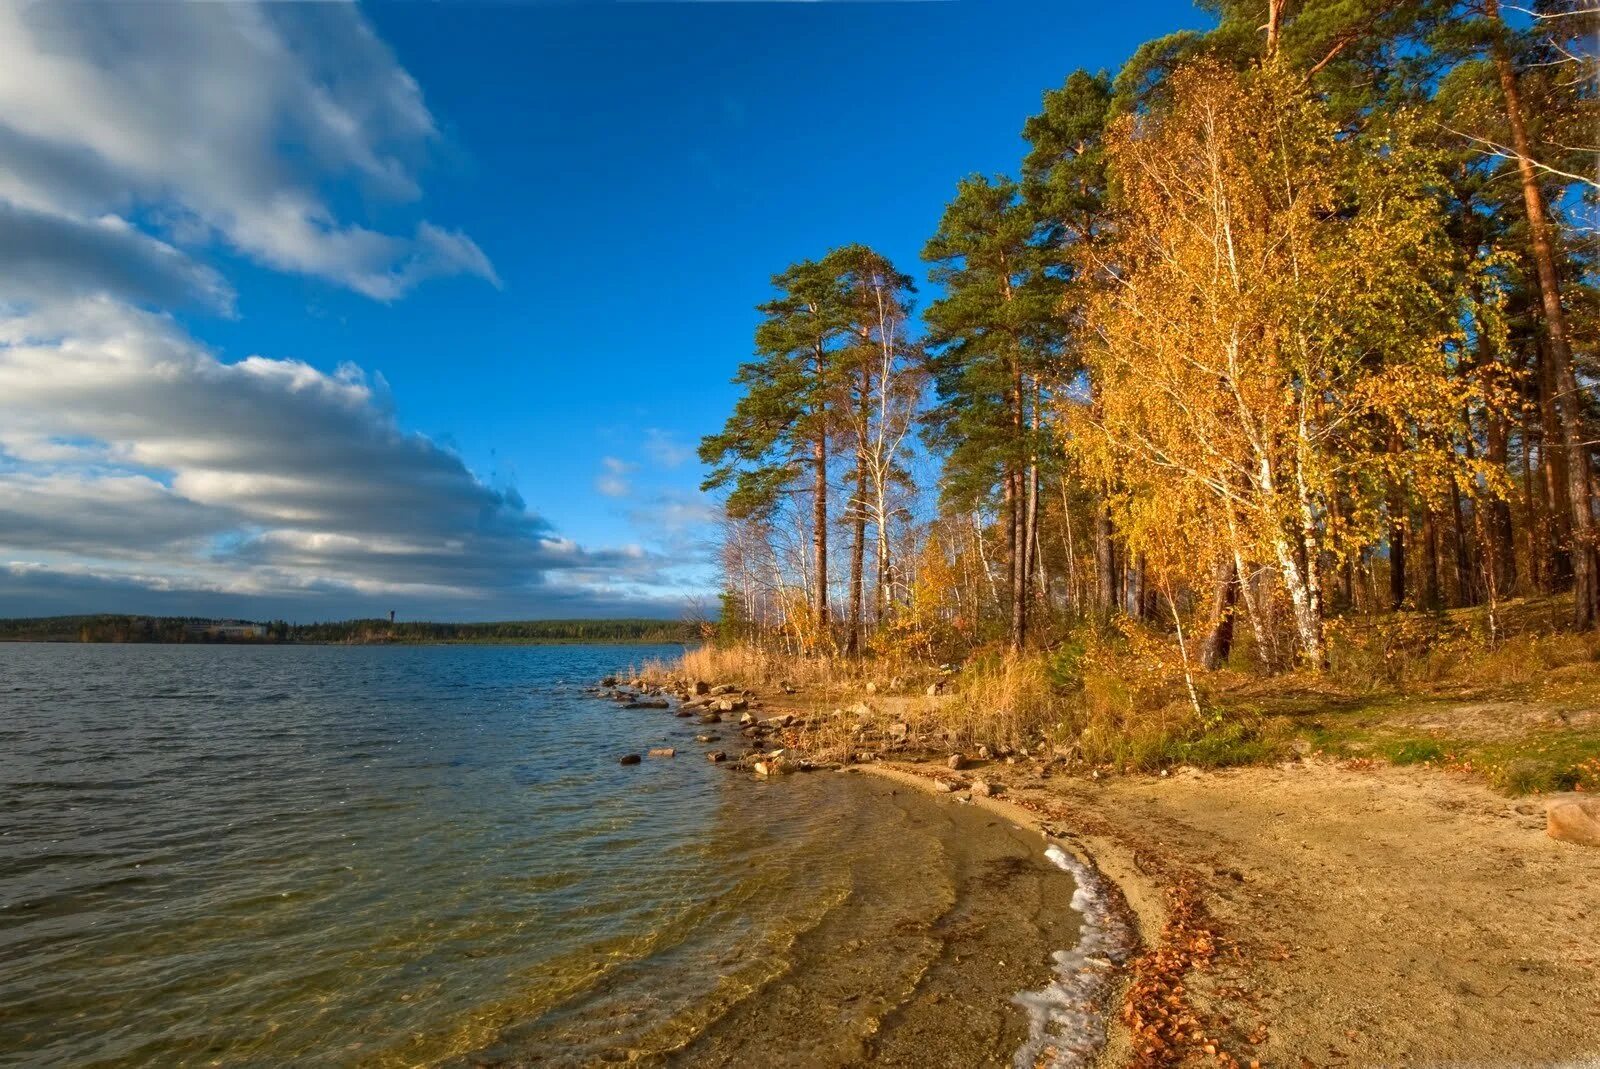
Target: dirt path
(1366, 916)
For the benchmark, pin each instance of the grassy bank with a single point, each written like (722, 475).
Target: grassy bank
(1522, 712)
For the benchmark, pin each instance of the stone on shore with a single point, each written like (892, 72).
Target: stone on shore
(721, 689)
(663, 751)
(648, 703)
(1573, 818)
(984, 789)
(774, 766)
(710, 718)
(699, 687)
(899, 731)
(629, 759)
(716, 757)
(705, 738)
(956, 762)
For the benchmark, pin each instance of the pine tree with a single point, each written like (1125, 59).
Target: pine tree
(991, 343)
(778, 434)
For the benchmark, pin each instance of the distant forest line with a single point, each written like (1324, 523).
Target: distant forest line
(106, 627)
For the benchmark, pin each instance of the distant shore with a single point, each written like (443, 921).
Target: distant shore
(180, 630)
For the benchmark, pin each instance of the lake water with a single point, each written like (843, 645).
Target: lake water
(342, 856)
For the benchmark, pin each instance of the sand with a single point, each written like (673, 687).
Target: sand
(1362, 915)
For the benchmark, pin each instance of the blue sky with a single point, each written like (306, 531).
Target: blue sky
(501, 259)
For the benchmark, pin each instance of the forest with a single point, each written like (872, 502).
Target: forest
(1278, 343)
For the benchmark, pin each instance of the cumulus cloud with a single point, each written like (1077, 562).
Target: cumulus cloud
(139, 470)
(183, 111)
(270, 471)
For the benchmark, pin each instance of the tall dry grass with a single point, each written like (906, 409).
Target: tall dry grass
(749, 665)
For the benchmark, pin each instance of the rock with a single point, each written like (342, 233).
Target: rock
(860, 709)
(663, 751)
(947, 786)
(705, 738)
(716, 757)
(628, 759)
(746, 720)
(649, 703)
(983, 753)
(985, 789)
(956, 762)
(774, 766)
(710, 718)
(784, 721)
(898, 731)
(721, 689)
(934, 689)
(732, 705)
(871, 688)
(1573, 818)
(684, 713)
(699, 687)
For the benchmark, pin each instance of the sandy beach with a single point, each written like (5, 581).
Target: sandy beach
(1344, 916)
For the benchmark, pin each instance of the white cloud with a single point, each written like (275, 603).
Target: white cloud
(613, 480)
(664, 448)
(181, 111)
(137, 452)
(141, 472)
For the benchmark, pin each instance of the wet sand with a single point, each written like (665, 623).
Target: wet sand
(946, 914)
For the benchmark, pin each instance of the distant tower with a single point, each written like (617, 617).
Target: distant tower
(391, 616)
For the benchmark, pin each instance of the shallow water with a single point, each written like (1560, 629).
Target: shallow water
(338, 856)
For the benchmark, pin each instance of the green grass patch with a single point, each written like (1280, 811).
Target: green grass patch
(1228, 744)
(1414, 752)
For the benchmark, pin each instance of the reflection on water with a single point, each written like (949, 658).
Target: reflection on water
(400, 856)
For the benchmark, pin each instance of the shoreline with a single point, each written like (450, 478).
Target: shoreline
(1134, 909)
(1315, 912)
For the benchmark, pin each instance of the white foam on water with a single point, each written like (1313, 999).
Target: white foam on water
(1067, 1017)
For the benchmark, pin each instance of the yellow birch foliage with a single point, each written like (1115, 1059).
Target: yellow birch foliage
(1280, 325)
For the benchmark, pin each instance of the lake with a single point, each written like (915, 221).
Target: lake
(429, 855)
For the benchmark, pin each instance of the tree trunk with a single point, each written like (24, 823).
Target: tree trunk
(1553, 472)
(1502, 549)
(1397, 549)
(819, 535)
(1586, 581)
(1225, 593)
(1308, 625)
(1533, 513)
(1466, 586)
(1430, 561)
(858, 558)
(1105, 562)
